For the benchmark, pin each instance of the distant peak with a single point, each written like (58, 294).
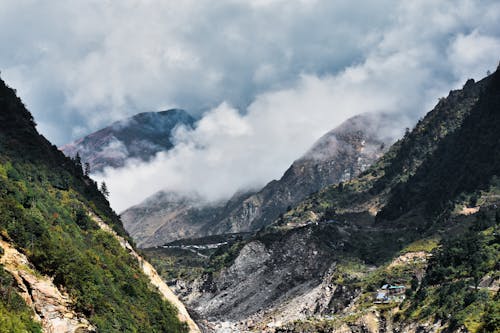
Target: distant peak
(163, 112)
(173, 111)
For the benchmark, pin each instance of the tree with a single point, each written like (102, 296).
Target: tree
(86, 169)
(78, 161)
(104, 189)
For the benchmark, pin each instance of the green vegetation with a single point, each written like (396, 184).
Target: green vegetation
(465, 161)
(425, 245)
(44, 199)
(398, 182)
(177, 264)
(456, 286)
(451, 288)
(15, 315)
(224, 256)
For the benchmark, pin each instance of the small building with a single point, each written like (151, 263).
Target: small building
(389, 294)
(381, 297)
(397, 290)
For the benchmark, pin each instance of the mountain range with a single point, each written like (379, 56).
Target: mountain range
(338, 156)
(423, 219)
(359, 235)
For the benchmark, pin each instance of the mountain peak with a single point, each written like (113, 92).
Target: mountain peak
(140, 136)
(338, 156)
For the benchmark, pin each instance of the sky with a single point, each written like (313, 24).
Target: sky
(266, 77)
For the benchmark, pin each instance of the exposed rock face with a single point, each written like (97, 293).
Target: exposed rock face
(272, 281)
(140, 136)
(338, 156)
(275, 285)
(52, 307)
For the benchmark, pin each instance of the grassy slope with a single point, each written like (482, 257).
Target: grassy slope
(43, 201)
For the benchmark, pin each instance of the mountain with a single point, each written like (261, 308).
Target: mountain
(409, 245)
(66, 263)
(168, 216)
(140, 136)
(338, 156)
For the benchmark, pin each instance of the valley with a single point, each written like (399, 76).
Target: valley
(250, 166)
(311, 252)
(357, 236)
(318, 266)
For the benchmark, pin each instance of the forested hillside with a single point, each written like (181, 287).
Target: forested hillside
(45, 201)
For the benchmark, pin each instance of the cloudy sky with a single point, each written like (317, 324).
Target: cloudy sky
(269, 77)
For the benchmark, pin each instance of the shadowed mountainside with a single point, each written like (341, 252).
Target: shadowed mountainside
(140, 137)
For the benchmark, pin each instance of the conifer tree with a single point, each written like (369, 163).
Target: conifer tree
(86, 169)
(104, 189)
(78, 162)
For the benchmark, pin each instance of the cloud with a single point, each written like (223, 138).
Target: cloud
(473, 55)
(270, 77)
(88, 63)
(229, 151)
(81, 65)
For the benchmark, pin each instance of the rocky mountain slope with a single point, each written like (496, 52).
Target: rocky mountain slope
(51, 306)
(63, 264)
(140, 136)
(424, 217)
(338, 156)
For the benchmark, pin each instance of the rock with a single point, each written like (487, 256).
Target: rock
(52, 307)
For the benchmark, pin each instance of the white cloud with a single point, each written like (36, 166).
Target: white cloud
(472, 55)
(227, 151)
(280, 73)
(87, 63)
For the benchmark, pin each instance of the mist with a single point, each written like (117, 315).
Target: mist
(232, 150)
(266, 77)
